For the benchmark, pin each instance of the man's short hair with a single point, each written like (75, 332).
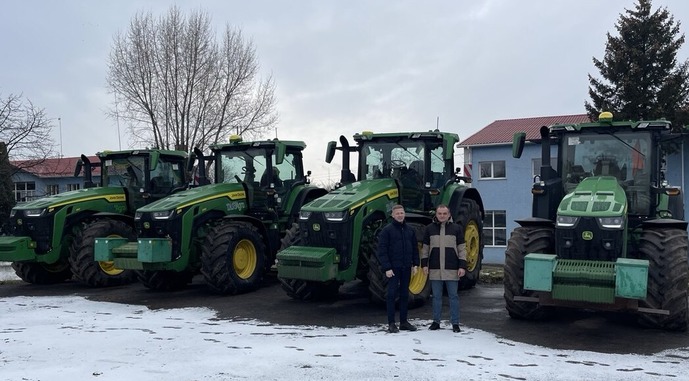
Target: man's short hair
(398, 206)
(442, 206)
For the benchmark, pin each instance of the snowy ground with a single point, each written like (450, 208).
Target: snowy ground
(72, 338)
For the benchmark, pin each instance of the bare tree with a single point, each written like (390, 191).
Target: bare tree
(25, 131)
(176, 87)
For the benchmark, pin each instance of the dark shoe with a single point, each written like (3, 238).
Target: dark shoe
(392, 328)
(434, 326)
(406, 326)
(455, 328)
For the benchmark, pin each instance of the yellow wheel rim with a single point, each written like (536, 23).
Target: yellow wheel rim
(244, 259)
(473, 242)
(418, 281)
(108, 267)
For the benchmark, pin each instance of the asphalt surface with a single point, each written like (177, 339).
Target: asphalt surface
(481, 308)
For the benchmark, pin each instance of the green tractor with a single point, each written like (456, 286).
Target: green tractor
(336, 238)
(607, 232)
(52, 238)
(229, 230)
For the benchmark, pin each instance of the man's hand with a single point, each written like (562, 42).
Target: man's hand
(389, 274)
(461, 272)
(414, 269)
(425, 270)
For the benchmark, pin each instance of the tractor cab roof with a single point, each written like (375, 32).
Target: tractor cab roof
(605, 122)
(237, 144)
(140, 152)
(397, 136)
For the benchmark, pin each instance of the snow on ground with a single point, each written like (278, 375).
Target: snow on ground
(72, 338)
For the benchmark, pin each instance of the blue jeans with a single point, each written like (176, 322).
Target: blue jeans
(437, 289)
(398, 285)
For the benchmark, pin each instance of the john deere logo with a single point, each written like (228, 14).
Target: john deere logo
(587, 235)
(316, 227)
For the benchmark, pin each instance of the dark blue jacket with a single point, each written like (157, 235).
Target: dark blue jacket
(397, 246)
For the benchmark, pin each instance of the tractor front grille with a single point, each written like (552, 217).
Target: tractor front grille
(587, 240)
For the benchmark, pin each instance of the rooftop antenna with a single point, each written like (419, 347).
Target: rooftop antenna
(437, 123)
(59, 121)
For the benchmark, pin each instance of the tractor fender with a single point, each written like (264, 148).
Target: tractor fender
(665, 223)
(272, 243)
(535, 222)
(304, 195)
(459, 194)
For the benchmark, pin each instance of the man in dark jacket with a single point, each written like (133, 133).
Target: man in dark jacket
(398, 255)
(443, 259)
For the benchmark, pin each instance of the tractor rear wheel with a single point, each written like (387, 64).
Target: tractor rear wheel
(668, 275)
(419, 286)
(165, 280)
(524, 240)
(43, 273)
(81, 258)
(233, 259)
(301, 289)
(472, 224)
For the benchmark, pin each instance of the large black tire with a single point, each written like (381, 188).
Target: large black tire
(165, 280)
(81, 258)
(472, 225)
(42, 273)
(668, 276)
(302, 289)
(419, 285)
(233, 258)
(525, 240)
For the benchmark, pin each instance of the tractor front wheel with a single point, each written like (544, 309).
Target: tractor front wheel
(233, 260)
(668, 275)
(43, 273)
(524, 240)
(81, 258)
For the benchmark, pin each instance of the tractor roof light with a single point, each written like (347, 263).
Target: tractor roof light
(605, 117)
(234, 138)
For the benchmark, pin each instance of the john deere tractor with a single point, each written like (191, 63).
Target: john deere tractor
(230, 230)
(335, 240)
(52, 238)
(607, 231)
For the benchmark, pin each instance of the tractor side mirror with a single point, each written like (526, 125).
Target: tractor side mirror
(518, 141)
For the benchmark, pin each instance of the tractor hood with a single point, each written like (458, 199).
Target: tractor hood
(354, 195)
(595, 196)
(111, 194)
(233, 191)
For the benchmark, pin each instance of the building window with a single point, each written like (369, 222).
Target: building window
(24, 191)
(71, 187)
(495, 228)
(492, 169)
(536, 165)
(52, 189)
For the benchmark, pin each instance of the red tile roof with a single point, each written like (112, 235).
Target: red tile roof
(60, 167)
(502, 131)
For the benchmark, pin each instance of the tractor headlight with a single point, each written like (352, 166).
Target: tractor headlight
(163, 215)
(137, 216)
(566, 221)
(304, 214)
(334, 216)
(611, 222)
(34, 212)
(13, 212)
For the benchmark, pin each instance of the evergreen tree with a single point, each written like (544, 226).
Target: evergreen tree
(6, 188)
(641, 76)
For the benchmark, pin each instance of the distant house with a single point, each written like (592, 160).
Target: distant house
(505, 182)
(48, 177)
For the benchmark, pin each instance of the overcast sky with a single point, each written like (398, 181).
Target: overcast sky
(340, 66)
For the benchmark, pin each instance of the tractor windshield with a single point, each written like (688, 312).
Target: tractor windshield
(250, 166)
(624, 156)
(406, 161)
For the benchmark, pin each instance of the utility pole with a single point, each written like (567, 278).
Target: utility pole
(59, 121)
